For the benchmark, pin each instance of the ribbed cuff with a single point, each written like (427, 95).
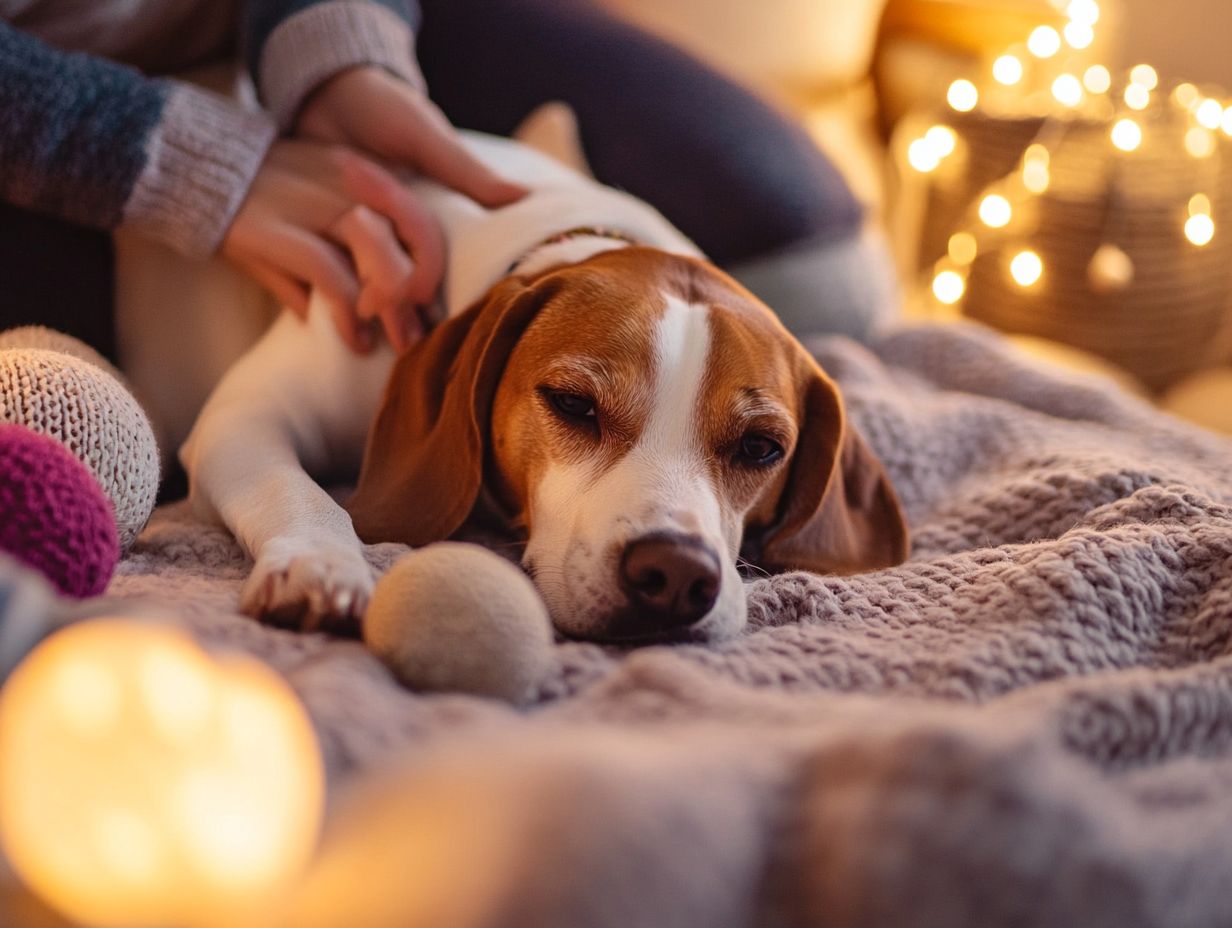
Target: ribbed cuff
(318, 42)
(200, 162)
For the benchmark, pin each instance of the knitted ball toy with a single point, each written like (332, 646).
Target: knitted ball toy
(456, 617)
(56, 518)
(55, 385)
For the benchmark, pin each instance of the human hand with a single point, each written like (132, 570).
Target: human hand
(323, 216)
(375, 112)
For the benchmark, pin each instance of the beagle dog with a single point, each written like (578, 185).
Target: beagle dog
(639, 421)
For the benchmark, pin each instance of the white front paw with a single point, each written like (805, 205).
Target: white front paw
(309, 588)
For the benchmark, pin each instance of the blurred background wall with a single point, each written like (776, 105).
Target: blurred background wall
(1183, 39)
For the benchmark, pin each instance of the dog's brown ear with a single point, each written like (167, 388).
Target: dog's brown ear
(838, 512)
(423, 465)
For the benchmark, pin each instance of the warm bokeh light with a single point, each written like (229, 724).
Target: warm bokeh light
(1209, 114)
(1200, 229)
(1026, 268)
(1085, 12)
(922, 156)
(1137, 97)
(1035, 176)
(1199, 205)
(1078, 35)
(963, 96)
(1044, 42)
(1200, 142)
(1144, 76)
(1126, 135)
(962, 248)
(1007, 70)
(1067, 89)
(1097, 79)
(948, 287)
(144, 782)
(995, 211)
(1226, 123)
(942, 140)
(1187, 96)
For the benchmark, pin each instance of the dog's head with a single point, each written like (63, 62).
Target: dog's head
(646, 421)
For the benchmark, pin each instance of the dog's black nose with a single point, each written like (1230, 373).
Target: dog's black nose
(671, 578)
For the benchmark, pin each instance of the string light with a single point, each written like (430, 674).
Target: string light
(1209, 114)
(995, 211)
(1137, 97)
(1068, 90)
(963, 96)
(1199, 205)
(942, 140)
(1186, 96)
(922, 157)
(1026, 268)
(1044, 42)
(948, 287)
(1035, 176)
(1200, 229)
(1079, 35)
(1007, 70)
(1200, 142)
(1097, 79)
(1126, 135)
(1085, 12)
(962, 248)
(1227, 122)
(1144, 76)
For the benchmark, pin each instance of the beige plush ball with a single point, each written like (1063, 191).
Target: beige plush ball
(457, 617)
(86, 408)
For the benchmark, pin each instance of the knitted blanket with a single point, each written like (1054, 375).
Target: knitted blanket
(1029, 723)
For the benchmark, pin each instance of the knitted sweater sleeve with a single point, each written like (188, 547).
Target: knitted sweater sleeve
(293, 46)
(100, 144)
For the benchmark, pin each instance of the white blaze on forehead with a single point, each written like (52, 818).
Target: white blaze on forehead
(681, 344)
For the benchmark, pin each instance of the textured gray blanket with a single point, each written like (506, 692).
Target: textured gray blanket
(1030, 723)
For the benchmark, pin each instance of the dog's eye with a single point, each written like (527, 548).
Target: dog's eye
(572, 406)
(759, 450)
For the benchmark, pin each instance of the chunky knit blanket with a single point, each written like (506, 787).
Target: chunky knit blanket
(1029, 723)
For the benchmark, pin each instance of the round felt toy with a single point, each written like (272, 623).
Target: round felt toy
(454, 616)
(56, 518)
(66, 391)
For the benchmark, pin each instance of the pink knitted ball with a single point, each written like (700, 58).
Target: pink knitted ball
(54, 516)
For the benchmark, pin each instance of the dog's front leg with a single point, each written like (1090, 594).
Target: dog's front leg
(297, 402)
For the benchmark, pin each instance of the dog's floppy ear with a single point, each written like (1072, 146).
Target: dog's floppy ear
(423, 465)
(838, 513)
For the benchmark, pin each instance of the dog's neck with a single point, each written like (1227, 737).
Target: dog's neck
(570, 247)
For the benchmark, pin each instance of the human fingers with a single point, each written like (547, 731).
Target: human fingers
(313, 260)
(415, 224)
(290, 293)
(385, 273)
(433, 147)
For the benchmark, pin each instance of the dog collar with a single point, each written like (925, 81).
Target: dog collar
(579, 232)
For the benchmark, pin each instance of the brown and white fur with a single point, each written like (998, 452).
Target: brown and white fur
(685, 371)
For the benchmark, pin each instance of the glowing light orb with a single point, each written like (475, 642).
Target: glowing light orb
(1085, 12)
(1126, 135)
(1110, 270)
(1209, 114)
(1144, 76)
(1026, 268)
(948, 287)
(963, 96)
(962, 248)
(1097, 79)
(1078, 35)
(1199, 203)
(1200, 142)
(143, 782)
(1186, 96)
(1200, 229)
(942, 139)
(1044, 42)
(1068, 90)
(995, 211)
(1007, 70)
(922, 156)
(1137, 97)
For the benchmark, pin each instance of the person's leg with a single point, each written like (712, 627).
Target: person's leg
(741, 179)
(58, 275)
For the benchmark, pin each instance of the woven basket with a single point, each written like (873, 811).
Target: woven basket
(1176, 315)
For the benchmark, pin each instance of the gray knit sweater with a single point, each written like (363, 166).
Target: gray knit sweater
(87, 133)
